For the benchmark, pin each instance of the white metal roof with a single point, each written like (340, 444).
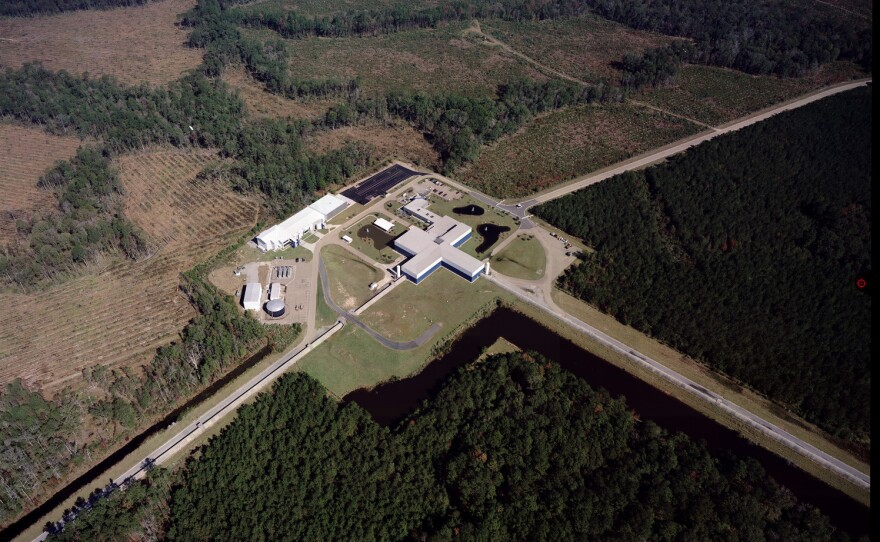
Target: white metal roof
(253, 292)
(275, 290)
(328, 205)
(384, 224)
(291, 228)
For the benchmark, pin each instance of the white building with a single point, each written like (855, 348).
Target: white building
(313, 217)
(274, 291)
(383, 224)
(253, 296)
(436, 246)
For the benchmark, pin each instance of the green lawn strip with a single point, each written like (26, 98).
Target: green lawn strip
(491, 216)
(250, 254)
(410, 309)
(349, 277)
(385, 254)
(523, 258)
(324, 315)
(350, 212)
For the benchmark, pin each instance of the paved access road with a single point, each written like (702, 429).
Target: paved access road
(535, 298)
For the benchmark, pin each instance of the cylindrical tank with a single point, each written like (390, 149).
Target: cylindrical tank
(274, 308)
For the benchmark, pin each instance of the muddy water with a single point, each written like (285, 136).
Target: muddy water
(392, 402)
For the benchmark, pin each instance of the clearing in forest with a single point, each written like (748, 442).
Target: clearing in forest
(574, 141)
(433, 60)
(395, 140)
(719, 95)
(261, 103)
(584, 48)
(120, 311)
(139, 44)
(25, 155)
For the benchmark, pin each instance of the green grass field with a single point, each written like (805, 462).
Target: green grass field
(255, 255)
(523, 258)
(436, 60)
(324, 315)
(349, 277)
(574, 141)
(384, 255)
(410, 309)
(492, 216)
(352, 359)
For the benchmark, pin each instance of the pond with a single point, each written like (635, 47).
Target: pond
(490, 233)
(376, 235)
(472, 210)
(390, 403)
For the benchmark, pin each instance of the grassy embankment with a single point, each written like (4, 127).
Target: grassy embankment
(523, 258)
(352, 359)
(349, 277)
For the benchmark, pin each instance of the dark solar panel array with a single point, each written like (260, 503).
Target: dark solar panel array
(379, 184)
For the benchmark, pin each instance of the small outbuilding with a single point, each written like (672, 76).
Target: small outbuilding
(253, 295)
(275, 308)
(383, 224)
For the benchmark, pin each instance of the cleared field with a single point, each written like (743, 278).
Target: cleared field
(260, 103)
(136, 44)
(718, 95)
(563, 144)
(119, 312)
(396, 140)
(352, 359)
(523, 258)
(349, 278)
(431, 60)
(325, 8)
(583, 48)
(25, 154)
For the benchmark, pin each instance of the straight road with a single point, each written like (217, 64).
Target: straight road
(818, 456)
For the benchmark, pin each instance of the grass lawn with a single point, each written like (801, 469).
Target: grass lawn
(500, 346)
(324, 315)
(309, 237)
(384, 253)
(352, 359)
(349, 277)
(523, 258)
(251, 254)
(350, 212)
(573, 141)
(491, 216)
(410, 309)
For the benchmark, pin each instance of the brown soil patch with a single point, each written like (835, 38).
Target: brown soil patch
(264, 104)
(137, 44)
(119, 312)
(395, 141)
(25, 154)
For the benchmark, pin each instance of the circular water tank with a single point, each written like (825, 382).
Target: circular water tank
(275, 308)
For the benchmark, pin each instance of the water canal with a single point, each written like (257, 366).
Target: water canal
(391, 402)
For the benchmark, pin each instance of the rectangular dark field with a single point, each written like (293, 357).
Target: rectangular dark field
(379, 184)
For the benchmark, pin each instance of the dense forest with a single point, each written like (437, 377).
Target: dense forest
(47, 7)
(744, 252)
(512, 448)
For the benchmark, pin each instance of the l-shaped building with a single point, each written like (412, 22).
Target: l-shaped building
(436, 246)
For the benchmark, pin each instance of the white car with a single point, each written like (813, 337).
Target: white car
(519, 205)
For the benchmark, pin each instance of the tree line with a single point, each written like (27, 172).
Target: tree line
(21, 8)
(511, 448)
(744, 253)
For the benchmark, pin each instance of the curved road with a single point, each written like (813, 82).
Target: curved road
(387, 343)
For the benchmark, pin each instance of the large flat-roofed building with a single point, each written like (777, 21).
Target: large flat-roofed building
(289, 232)
(436, 246)
(253, 295)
